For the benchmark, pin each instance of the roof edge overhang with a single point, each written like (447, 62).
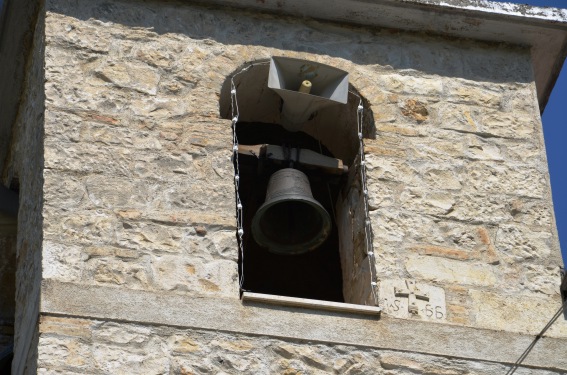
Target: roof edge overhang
(543, 30)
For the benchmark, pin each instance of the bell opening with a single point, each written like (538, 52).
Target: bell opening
(314, 274)
(337, 270)
(293, 227)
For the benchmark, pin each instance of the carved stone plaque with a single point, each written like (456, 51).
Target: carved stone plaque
(411, 299)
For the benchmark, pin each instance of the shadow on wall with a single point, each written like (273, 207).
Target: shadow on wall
(377, 48)
(6, 357)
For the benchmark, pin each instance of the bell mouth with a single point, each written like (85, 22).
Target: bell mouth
(290, 221)
(291, 226)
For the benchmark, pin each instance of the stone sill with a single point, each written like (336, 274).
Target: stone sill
(310, 303)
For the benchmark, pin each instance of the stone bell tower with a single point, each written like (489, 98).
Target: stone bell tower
(137, 140)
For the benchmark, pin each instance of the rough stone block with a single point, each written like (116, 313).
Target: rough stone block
(486, 209)
(505, 179)
(524, 313)
(195, 276)
(62, 262)
(450, 271)
(519, 243)
(65, 352)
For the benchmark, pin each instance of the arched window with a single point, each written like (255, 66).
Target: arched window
(338, 269)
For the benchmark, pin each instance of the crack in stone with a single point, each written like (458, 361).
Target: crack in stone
(480, 134)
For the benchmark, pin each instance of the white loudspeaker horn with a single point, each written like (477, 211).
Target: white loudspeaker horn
(305, 87)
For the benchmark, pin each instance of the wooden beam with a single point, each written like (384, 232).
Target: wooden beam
(298, 155)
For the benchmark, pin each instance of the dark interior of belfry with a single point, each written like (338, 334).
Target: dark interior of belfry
(314, 274)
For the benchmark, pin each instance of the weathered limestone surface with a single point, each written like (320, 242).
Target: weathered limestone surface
(142, 170)
(73, 346)
(138, 186)
(462, 198)
(356, 267)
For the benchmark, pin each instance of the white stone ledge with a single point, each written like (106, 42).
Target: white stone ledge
(311, 304)
(297, 323)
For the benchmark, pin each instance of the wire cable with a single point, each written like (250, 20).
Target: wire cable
(368, 234)
(235, 158)
(536, 339)
(235, 111)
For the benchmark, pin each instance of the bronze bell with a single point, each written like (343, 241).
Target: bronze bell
(290, 221)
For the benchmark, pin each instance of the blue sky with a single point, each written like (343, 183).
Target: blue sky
(555, 132)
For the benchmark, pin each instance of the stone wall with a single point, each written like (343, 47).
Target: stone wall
(139, 194)
(139, 190)
(461, 197)
(75, 346)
